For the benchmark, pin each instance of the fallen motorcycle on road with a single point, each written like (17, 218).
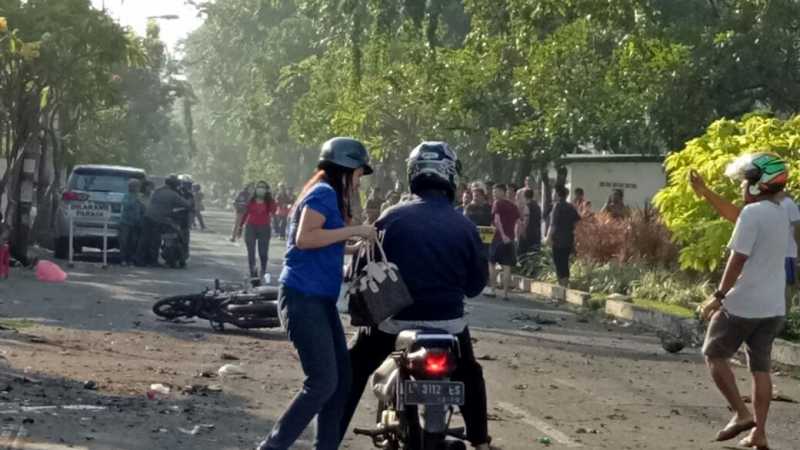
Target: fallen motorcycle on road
(256, 307)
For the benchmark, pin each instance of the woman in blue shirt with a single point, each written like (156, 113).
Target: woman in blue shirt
(310, 283)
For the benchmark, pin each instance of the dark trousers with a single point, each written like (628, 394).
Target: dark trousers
(371, 347)
(316, 332)
(561, 261)
(186, 237)
(197, 218)
(280, 226)
(128, 242)
(257, 235)
(149, 243)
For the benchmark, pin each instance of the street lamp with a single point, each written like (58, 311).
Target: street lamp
(165, 17)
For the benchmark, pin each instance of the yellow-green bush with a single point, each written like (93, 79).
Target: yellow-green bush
(701, 233)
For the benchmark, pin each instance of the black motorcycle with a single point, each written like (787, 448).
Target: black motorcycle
(415, 394)
(245, 308)
(173, 245)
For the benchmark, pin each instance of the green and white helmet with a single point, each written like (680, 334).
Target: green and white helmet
(765, 173)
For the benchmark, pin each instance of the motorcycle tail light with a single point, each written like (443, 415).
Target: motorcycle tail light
(437, 364)
(431, 364)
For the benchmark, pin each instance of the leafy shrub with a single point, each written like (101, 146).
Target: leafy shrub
(640, 281)
(537, 265)
(792, 330)
(640, 238)
(700, 232)
(671, 287)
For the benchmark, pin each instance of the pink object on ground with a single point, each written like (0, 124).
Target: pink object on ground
(50, 272)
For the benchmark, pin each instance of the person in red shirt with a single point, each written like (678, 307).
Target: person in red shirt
(505, 216)
(257, 224)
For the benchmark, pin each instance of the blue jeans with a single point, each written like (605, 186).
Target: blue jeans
(314, 328)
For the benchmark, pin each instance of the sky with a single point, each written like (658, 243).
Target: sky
(134, 13)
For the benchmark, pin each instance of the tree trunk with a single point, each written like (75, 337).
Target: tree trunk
(525, 169)
(41, 224)
(547, 199)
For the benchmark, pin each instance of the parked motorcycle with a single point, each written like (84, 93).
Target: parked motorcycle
(415, 395)
(173, 247)
(244, 308)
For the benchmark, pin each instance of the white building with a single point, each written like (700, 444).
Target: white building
(639, 176)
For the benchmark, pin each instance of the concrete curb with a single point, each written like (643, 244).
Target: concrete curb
(786, 353)
(653, 319)
(783, 352)
(552, 291)
(620, 307)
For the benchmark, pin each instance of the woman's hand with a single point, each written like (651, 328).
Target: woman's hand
(366, 232)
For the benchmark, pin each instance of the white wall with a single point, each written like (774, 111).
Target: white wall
(639, 180)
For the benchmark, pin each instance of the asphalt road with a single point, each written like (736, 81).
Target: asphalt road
(580, 381)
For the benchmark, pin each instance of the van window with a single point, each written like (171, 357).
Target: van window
(97, 181)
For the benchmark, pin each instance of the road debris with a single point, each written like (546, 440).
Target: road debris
(197, 429)
(90, 385)
(201, 389)
(230, 370)
(229, 357)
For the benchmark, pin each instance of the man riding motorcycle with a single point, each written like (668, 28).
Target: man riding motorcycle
(158, 213)
(441, 259)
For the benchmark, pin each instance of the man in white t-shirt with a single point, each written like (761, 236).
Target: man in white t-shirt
(729, 211)
(749, 306)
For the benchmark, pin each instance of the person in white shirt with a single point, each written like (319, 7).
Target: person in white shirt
(729, 211)
(749, 306)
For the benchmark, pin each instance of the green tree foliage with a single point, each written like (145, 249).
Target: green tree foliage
(702, 234)
(512, 84)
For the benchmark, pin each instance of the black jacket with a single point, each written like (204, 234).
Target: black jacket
(439, 254)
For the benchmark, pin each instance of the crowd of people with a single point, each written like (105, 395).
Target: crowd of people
(515, 224)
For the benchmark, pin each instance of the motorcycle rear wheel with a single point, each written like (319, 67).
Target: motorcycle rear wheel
(177, 306)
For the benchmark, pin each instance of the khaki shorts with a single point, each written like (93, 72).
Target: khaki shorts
(726, 333)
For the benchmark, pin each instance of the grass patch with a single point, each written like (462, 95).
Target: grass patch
(17, 324)
(666, 308)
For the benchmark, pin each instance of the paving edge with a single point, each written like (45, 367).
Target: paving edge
(783, 352)
(551, 291)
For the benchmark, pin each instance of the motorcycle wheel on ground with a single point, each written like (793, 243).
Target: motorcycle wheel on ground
(177, 306)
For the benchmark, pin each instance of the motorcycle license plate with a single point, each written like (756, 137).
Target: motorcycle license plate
(433, 392)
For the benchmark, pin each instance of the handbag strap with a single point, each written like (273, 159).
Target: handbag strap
(379, 245)
(351, 269)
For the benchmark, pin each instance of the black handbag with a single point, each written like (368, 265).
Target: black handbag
(376, 291)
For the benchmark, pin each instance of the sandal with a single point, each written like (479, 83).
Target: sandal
(746, 442)
(730, 432)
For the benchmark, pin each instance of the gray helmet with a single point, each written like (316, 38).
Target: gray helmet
(432, 164)
(345, 152)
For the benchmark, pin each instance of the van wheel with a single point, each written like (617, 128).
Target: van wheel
(61, 248)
